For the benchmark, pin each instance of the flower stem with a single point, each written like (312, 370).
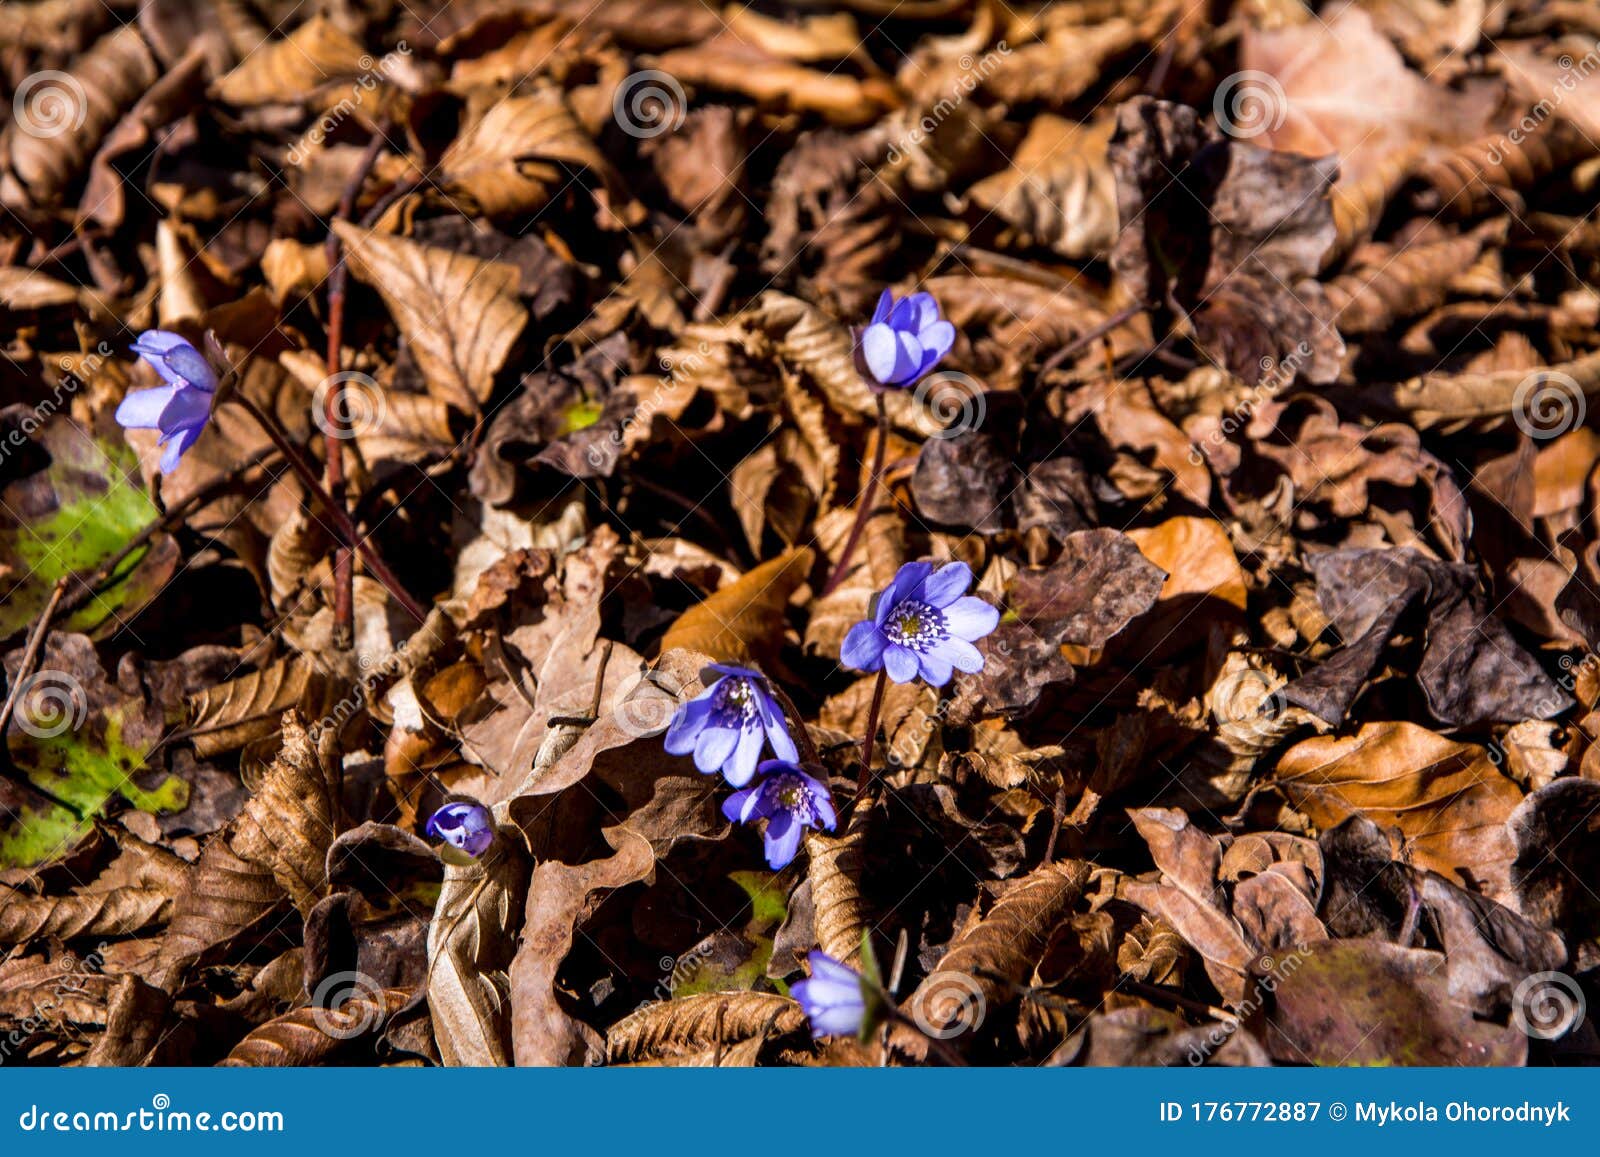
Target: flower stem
(342, 524)
(864, 507)
(865, 776)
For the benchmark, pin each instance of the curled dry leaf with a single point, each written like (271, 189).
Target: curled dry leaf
(679, 1027)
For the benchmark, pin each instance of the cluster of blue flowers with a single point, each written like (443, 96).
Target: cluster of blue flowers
(924, 624)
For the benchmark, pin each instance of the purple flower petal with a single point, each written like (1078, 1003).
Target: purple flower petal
(686, 723)
(881, 349)
(900, 662)
(960, 654)
(141, 410)
(782, 840)
(971, 618)
(734, 806)
(742, 766)
(934, 668)
(863, 647)
(885, 304)
(937, 338)
(947, 584)
(712, 749)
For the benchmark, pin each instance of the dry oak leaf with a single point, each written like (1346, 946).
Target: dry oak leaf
(1229, 235)
(314, 1036)
(1448, 799)
(288, 825)
(70, 115)
(728, 62)
(290, 69)
(743, 621)
(460, 316)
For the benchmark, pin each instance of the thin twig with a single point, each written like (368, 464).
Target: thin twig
(30, 659)
(1084, 339)
(85, 587)
(342, 524)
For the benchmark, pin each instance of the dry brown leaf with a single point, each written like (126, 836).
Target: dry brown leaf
(315, 1036)
(1059, 190)
(459, 315)
(1448, 799)
(228, 716)
(291, 69)
(288, 824)
(681, 1027)
(744, 621)
(471, 940)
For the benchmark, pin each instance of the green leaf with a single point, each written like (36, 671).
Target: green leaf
(72, 516)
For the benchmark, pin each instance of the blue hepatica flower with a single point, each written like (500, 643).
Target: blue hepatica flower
(724, 725)
(178, 409)
(923, 623)
(905, 340)
(790, 801)
(834, 999)
(468, 827)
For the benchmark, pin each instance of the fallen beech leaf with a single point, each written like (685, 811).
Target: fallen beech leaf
(744, 621)
(1448, 799)
(460, 315)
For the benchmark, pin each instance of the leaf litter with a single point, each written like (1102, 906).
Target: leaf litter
(1132, 467)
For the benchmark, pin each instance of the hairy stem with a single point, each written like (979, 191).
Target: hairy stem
(864, 778)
